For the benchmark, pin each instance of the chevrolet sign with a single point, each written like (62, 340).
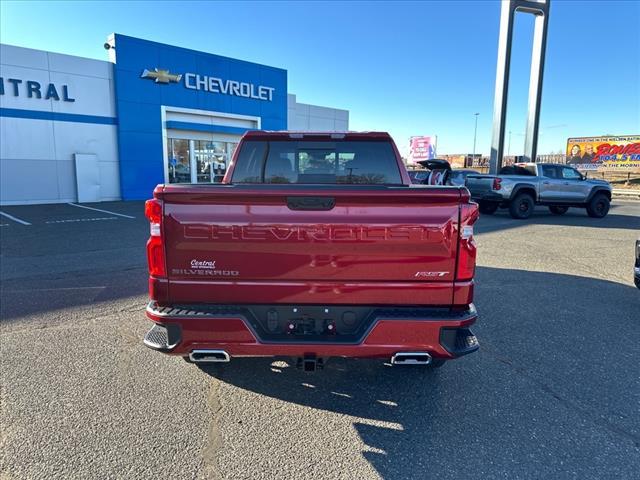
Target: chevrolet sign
(194, 81)
(228, 87)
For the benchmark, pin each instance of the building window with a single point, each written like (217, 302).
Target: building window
(179, 159)
(212, 159)
(198, 161)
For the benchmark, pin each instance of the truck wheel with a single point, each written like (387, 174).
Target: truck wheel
(522, 206)
(488, 208)
(556, 210)
(598, 207)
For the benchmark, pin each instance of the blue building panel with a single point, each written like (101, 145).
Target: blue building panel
(141, 169)
(170, 71)
(139, 117)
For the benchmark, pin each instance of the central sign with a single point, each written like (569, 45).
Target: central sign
(34, 89)
(193, 81)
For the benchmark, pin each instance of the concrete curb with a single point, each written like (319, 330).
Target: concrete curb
(627, 194)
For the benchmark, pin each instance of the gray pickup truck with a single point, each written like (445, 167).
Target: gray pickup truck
(522, 186)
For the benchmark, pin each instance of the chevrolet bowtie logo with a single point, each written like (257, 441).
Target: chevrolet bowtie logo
(160, 76)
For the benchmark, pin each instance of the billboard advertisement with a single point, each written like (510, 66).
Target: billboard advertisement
(607, 152)
(421, 148)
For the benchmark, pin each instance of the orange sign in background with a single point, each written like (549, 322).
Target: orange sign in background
(607, 152)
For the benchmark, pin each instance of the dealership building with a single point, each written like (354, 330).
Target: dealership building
(77, 129)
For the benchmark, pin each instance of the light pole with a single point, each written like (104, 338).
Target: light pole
(509, 145)
(475, 133)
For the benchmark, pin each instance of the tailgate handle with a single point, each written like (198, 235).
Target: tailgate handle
(311, 203)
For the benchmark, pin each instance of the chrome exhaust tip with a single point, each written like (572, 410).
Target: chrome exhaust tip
(209, 356)
(411, 358)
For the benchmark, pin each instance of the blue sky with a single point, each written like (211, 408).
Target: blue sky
(410, 68)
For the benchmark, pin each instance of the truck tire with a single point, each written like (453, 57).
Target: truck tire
(521, 207)
(598, 207)
(488, 208)
(558, 210)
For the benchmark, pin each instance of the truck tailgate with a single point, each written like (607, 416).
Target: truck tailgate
(479, 183)
(315, 245)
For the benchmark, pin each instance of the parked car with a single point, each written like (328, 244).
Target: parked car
(524, 185)
(313, 247)
(418, 176)
(459, 176)
(439, 172)
(435, 172)
(636, 269)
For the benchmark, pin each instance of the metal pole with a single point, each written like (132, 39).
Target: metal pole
(475, 133)
(502, 85)
(535, 83)
(539, 8)
(509, 144)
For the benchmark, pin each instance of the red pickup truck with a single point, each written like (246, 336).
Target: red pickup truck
(315, 245)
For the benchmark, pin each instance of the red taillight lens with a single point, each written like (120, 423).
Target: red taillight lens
(155, 257)
(153, 210)
(155, 245)
(467, 250)
(497, 183)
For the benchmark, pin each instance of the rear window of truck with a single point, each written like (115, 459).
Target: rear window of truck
(313, 162)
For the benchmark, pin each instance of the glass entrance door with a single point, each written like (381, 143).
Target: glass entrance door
(179, 160)
(211, 160)
(204, 153)
(198, 161)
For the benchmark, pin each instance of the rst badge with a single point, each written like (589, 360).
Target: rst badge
(430, 274)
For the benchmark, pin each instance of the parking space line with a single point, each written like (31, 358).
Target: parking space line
(11, 217)
(99, 210)
(81, 220)
(55, 289)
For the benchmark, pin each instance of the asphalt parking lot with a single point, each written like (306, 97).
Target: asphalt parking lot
(553, 392)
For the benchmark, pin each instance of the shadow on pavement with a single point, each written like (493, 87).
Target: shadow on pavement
(24, 297)
(550, 386)
(46, 267)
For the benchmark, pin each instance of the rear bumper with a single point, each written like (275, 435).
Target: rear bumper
(487, 197)
(179, 331)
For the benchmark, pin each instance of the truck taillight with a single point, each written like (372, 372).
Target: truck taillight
(497, 183)
(155, 244)
(467, 249)
(153, 211)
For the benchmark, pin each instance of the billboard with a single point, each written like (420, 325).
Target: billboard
(608, 152)
(421, 148)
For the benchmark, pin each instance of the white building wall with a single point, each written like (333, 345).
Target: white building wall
(36, 155)
(304, 117)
